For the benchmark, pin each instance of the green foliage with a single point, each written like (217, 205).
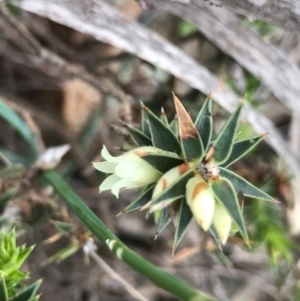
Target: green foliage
(12, 258)
(15, 120)
(267, 229)
(185, 29)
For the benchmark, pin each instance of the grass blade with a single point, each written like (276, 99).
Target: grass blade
(16, 121)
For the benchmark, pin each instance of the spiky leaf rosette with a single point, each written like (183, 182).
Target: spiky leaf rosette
(183, 174)
(12, 258)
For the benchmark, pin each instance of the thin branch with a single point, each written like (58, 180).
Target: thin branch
(147, 45)
(262, 59)
(90, 249)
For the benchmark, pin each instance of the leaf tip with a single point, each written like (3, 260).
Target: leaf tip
(209, 95)
(242, 101)
(147, 206)
(143, 107)
(176, 100)
(275, 201)
(121, 212)
(173, 250)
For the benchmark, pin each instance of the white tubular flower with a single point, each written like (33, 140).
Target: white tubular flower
(128, 170)
(222, 222)
(201, 201)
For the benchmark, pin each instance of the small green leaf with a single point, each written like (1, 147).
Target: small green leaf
(28, 293)
(185, 29)
(164, 220)
(162, 137)
(174, 190)
(190, 140)
(63, 227)
(163, 117)
(226, 195)
(174, 126)
(3, 288)
(215, 235)
(63, 254)
(224, 143)
(163, 162)
(204, 122)
(185, 217)
(139, 137)
(142, 199)
(15, 121)
(161, 205)
(240, 184)
(241, 148)
(144, 122)
(4, 221)
(6, 196)
(23, 256)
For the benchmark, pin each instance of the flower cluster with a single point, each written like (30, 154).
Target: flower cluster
(183, 174)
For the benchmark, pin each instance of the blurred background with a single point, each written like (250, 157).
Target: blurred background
(76, 72)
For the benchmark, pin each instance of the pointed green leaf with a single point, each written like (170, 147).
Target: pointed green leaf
(191, 143)
(6, 196)
(163, 162)
(226, 195)
(28, 293)
(3, 288)
(63, 227)
(215, 235)
(63, 254)
(224, 143)
(144, 122)
(18, 123)
(174, 127)
(164, 220)
(204, 122)
(241, 148)
(162, 205)
(163, 117)
(141, 200)
(174, 190)
(185, 217)
(4, 221)
(240, 184)
(139, 137)
(23, 256)
(162, 137)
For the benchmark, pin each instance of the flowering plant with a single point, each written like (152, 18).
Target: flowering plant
(183, 173)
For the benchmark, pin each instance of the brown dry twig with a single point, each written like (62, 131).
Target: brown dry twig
(151, 47)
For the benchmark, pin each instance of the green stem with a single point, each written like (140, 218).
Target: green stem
(162, 279)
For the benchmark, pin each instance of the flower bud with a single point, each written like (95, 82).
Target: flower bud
(168, 178)
(201, 201)
(222, 222)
